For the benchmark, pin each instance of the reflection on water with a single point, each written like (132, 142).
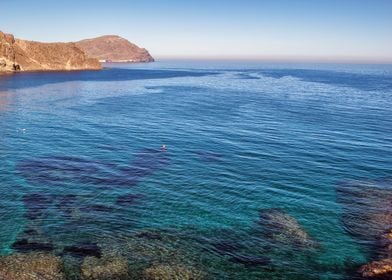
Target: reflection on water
(4, 100)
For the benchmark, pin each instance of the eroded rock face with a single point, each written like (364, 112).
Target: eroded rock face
(22, 55)
(111, 48)
(99, 269)
(7, 54)
(31, 267)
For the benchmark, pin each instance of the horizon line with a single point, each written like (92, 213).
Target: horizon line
(282, 58)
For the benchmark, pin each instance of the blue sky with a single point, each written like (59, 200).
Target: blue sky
(275, 29)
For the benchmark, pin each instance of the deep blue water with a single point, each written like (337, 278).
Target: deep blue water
(82, 162)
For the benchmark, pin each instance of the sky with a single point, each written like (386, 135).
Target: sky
(330, 30)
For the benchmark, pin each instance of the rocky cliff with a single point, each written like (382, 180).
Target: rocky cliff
(112, 48)
(22, 55)
(7, 53)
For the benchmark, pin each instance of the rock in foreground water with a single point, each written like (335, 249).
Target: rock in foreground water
(99, 269)
(282, 227)
(367, 208)
(170, 272)
(34, 266)
(377, 270)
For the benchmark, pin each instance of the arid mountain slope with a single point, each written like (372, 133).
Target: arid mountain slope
(22, 55)
(112, 48)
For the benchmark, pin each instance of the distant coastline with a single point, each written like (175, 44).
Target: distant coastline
(17, 55)
(113, 48)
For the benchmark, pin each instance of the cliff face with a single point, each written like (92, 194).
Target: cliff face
(113, 48)
(21, 55)
(7, 54)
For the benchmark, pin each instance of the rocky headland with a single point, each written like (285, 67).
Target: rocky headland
(21, 55)
(112, 48)
(18, 55)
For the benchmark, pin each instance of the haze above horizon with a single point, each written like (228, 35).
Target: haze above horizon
(335, 30)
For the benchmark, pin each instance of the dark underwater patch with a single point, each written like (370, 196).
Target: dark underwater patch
(66, 203)
(36, 205)
(367, 206)
(234, 251)
(225, 247)
(24, 245)
(96, 208)
(150, 235)
(57, 170)
(147, 161)
(249, 260)
(128, 199)
(30, 232)
(83, 250)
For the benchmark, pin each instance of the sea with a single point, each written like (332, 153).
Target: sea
(226, 169)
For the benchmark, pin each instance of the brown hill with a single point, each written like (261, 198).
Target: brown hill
(21, 55)
(112, 48)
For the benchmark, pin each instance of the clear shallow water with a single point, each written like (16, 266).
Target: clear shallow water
(81, 160)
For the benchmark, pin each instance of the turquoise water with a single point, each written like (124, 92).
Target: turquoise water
(82, 160)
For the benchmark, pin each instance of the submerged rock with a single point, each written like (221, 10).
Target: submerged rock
(128, 199)
(225, 247)
(56, 170)
(146, 162)
(148, 248)
(109, 269)
(380, 269)
(66, 203)
(367, 215)
(83, 250)
(385, 244)
(24, 245)
(96, 208)
(170, 272)
(283, 228)
(249, 260)
(36, 205)
(150, 235)
(30, 232)
(367, 208)
(33, 266)
(234, 250)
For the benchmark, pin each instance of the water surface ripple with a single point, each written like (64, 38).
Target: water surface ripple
(262, 177)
